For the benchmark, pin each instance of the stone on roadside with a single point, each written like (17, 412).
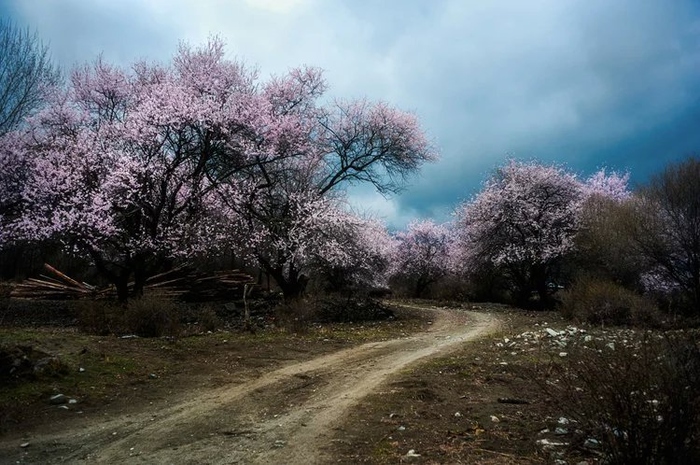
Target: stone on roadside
(58, 399)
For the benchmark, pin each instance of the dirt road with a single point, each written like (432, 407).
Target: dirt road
(285, 416)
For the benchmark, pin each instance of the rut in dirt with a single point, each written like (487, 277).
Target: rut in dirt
(284, 416)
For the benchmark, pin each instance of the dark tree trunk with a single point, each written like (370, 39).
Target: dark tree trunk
(420, 287)
(539, 277)
(140, 277)
(292, 285)
(122, 285)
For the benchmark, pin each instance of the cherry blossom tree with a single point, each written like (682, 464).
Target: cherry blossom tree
(421, 255)
(123, 166)
(367, 246)
(525, 220)
(292, 202)
(136, 168)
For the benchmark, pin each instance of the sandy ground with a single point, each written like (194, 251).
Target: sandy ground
(285, 416)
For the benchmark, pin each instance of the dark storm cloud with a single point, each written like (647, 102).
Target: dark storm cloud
(585, 83)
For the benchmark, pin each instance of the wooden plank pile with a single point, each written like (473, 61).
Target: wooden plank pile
(56, 287)
(182, 282)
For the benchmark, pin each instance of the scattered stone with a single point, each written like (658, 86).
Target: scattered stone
(559, 431)
(280, 443)
(58, 399)
(24, 445)
(64, 407)
(402, 428)
(546, 443)
(551, 332)
(412, 453)
(591, 443)
(72, 401)
(495, 419)
(457, 414)
(610, 345)
(563, 421)
(153, 376)
(563, 354)
(129, 336)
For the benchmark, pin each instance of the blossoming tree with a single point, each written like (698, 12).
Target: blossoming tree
(134, 169)
(524, 222)
(421, 255)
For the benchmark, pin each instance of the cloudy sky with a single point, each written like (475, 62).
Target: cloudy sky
(590, 83)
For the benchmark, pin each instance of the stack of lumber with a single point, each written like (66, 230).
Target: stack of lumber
(182, 282)
(56, 287)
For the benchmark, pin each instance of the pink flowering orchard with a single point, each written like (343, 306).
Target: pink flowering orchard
(136, 168)
(524, 221)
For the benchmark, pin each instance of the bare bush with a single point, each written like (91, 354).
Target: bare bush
(669, 235)
(603, 302)
(634, 402)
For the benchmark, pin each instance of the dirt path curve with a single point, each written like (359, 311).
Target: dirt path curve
(281, 417)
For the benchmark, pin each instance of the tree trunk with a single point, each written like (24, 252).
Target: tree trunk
(140, 277)
(122, 285)
(539, 277)
(292, 285)
(421, 286)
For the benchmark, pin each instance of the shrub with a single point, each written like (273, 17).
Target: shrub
(5, 289)
(147, 317)
(603, 302)
(150, 317)
(99, 316)
(639, 401)
(295, 315)
(208, 319)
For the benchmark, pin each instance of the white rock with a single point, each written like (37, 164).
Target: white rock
(610, 345)
(495, 419)
(548, 443)
(559, 431)
(457, 414)
(563, 354)
(591, 443)
(58, 399)
(24, 445)
(402, 428)
(412, 453)
(552, 332)
(563, 421)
